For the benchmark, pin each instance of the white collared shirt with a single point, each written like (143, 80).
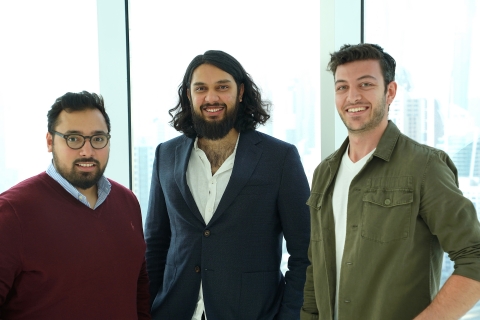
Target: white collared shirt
(103, 186)
(207, 191)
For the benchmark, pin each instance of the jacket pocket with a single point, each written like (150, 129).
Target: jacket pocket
(387, 211)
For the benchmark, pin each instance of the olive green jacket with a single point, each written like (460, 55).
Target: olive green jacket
(404, 210)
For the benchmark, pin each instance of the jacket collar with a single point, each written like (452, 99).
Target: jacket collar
(182, 156)
(387, 142)
(246, 159)
(384, 149)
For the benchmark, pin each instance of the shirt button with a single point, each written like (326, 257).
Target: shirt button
(349, 263)
(197, 269)
(387, 202)
(206, 233)
(347, 301)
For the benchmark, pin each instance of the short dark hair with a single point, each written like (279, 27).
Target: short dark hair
(364, 51)
(71, 102)
(252, 110)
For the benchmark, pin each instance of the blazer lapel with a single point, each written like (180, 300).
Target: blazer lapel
(246, 159)
(182, 157)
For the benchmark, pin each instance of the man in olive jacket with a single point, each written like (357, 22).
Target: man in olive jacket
(383, 209)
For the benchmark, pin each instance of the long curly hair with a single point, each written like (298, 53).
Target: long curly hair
(252, 111)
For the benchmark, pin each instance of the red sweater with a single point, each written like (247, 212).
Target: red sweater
(59, 259)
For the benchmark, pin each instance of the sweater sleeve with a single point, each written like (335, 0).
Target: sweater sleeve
(10, 248)
(143, 296)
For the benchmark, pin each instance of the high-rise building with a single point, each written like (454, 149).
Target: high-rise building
(143, 156)
(414, 116)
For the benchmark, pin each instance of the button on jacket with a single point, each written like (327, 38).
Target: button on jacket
(404, 210)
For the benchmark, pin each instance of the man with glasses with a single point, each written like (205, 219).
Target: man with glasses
(71, 240)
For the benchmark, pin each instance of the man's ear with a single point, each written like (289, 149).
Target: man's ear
(189, 96)
(49, 142)
(391, 92)
(240, 92)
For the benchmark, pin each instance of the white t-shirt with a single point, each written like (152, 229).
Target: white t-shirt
(347, 171)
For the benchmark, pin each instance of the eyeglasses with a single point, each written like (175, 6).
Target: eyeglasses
(76, 141)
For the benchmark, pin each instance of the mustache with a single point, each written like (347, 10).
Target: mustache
(87, 160)
(216, 104)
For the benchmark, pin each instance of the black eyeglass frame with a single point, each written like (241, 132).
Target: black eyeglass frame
(66, 136)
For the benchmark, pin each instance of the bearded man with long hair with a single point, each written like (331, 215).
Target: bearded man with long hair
(223, 197)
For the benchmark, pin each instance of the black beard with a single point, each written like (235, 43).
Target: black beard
(80, 180)
(214, 130)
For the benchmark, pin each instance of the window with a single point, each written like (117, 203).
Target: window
(438, 99)
(277, 43)
(43, 56)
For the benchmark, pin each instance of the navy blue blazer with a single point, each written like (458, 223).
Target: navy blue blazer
(237, 255)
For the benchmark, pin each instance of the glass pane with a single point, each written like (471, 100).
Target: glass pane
(438, 99)
(277, 43)
(48, 48)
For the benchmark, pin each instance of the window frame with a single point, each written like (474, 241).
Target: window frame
(114, 75)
